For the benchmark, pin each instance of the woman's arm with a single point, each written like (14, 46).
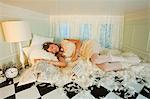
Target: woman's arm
(78, 46)
(60, 63)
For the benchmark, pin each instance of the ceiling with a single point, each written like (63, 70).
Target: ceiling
(85, 7)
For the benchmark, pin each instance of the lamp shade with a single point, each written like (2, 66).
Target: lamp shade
(16, 31)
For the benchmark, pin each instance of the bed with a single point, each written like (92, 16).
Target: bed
(126, 83)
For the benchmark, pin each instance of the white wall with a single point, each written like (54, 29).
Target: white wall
(38, 22)
(137, 33)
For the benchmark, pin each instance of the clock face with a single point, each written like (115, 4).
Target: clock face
(11, 72)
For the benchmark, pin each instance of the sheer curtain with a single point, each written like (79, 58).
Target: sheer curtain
(106, 30)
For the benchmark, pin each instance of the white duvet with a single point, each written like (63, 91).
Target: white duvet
(84, 73)
(60, 76)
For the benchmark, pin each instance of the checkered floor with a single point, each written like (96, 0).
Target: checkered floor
(10, 90)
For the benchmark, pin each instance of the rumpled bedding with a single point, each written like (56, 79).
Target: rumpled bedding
(75, 71)
(86, 74)
(48, 73)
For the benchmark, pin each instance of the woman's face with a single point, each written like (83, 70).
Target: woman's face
(53, 48)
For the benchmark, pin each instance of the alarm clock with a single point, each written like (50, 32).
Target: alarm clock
(11, 72)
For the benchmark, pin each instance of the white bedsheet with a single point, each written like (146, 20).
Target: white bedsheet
(86, 74)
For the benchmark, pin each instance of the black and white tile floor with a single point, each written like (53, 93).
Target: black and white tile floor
(35, 90)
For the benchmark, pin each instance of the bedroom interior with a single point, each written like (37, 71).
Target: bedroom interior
(120, 27)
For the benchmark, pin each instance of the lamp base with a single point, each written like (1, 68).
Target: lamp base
(21, 55)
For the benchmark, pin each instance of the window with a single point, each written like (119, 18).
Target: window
(105, 35)
(64, 30)
(85, 30)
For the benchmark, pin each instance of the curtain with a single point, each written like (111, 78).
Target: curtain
(64, 30)
(85, 30)
(105, 36)
(106, 30)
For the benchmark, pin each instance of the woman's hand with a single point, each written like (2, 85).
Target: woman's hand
(36, 60)
(74, 58)
(60, 63)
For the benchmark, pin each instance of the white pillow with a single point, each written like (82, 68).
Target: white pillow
(27, 77)
(39, 40)
(28, 50)
(41, 54)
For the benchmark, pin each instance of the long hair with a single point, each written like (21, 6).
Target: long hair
(47, 44)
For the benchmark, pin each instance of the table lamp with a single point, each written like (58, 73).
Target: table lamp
(17, 31)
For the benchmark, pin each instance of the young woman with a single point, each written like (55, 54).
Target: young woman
(104, 62)
(59, 50)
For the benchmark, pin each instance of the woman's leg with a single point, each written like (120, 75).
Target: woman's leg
(110, 66)
(99, 59)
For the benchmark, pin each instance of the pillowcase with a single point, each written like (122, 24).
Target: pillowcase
(41, 54)
(28, 50)
(35, 52)
(39, 40)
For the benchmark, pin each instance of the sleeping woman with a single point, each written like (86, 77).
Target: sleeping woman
(104, 62)
(60, 51)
